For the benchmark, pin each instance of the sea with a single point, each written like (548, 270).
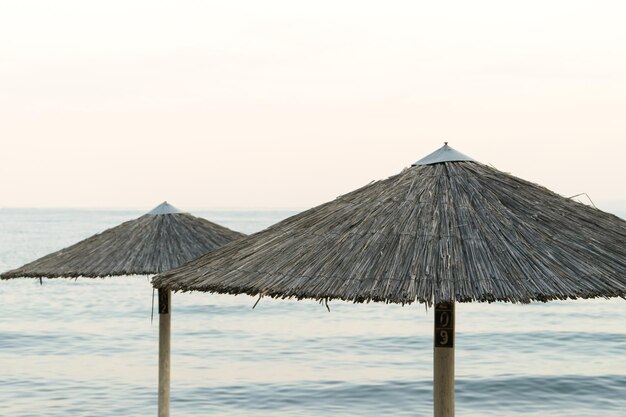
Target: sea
(88, 347)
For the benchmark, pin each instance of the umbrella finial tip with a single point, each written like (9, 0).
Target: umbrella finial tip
(443, 154)
(165, 208)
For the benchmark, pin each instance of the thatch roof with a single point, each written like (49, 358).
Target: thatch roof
(445, 229)
(155, 242)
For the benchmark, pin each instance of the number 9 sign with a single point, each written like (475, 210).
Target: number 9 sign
(444, 325)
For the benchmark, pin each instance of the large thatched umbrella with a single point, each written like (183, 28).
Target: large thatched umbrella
(160, 240)
(447, 229)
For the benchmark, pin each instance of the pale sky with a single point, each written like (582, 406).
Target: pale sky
(291, 103)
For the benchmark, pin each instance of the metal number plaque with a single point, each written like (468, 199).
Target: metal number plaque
(164, 302)
(444, 325)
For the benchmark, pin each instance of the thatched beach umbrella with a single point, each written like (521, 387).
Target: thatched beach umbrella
(447, 229)
(160, 240)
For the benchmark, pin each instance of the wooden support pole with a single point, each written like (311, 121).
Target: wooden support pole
(165, 299)
(443, 382)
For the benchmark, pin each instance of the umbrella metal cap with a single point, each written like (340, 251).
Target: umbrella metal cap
(443, 154)
(164, 208)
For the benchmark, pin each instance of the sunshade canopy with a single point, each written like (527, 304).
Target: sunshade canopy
(155, 242)
(445, 229)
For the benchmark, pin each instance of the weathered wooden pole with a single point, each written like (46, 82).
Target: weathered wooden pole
(165, 299)
(443, 367)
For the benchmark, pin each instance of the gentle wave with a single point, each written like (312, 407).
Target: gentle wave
(504, 396)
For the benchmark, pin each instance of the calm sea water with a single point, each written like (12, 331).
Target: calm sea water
(87, 347)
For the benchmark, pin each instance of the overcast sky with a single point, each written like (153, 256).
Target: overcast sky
(291, 103)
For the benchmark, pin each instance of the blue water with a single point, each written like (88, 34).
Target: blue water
(87, 347)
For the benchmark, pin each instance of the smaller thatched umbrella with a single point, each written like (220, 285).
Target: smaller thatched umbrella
(160, 240)
(447, 229)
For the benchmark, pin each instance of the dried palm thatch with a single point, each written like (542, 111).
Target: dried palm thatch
(445, 229)
(155, 242)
